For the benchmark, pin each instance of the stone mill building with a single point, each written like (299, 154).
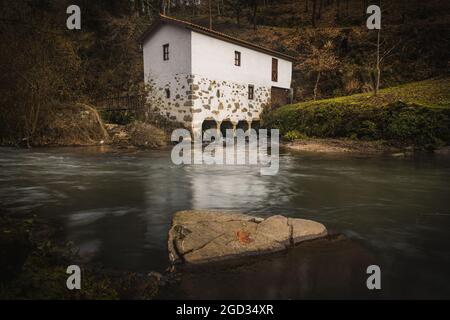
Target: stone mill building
(204, 78)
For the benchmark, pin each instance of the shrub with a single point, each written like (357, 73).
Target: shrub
(146, 135)
(398, 121)
(293, 135)
(122, 117)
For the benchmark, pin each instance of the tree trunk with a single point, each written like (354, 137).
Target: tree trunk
(316, 86)
(364, 8)
(378, 67)
(403, 11)
(306, 6)
(338, 7)
(313, 21)
(210, 15)
(255, 10)
(319, 14)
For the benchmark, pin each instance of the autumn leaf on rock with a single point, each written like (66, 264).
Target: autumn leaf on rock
(243, 236)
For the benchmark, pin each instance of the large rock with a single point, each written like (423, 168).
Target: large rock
(205, 236)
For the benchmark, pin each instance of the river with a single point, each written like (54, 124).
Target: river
(116, 206)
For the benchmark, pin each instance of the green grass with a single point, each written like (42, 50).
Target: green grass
(417, 113)
(433, 93)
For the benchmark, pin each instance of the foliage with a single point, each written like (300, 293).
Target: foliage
(293, 135)
(34, 266)
(320, 59)
(118, 116)
(385, 117)
(45, 65)
(146, 135)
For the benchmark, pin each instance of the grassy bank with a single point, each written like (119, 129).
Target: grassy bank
(35, 259)
(413, 114)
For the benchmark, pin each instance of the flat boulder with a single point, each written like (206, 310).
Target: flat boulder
(199, 236)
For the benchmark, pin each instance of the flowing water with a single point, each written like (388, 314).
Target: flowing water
(117, 206)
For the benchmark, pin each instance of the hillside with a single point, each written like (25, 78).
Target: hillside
(416, 113)
(432, 93)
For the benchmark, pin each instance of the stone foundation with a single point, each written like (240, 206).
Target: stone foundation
(194, 99)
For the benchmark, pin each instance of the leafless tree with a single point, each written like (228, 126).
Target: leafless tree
(320, 59)
(313, 18)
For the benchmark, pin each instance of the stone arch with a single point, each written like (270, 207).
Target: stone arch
(256, 124)
(242, 124)
(208, 124)
(226, 124)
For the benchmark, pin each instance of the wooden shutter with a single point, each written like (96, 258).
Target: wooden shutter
(274, 69)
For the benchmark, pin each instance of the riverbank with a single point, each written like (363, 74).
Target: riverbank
(347, 146)
(35, 259)
(415, 114)
(136, 134)
(81, 125)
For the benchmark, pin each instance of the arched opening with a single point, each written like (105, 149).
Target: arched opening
(243, 124)
(226, 124)
(256, 124)
(208, 124)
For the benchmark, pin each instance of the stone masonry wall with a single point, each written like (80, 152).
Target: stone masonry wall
(222, 100)
(178, 106)
(194, 99)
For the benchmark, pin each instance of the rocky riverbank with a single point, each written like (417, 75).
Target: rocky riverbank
(34, 260)
(351, 146)
(205, 236)
(324, 145)
(136, 134)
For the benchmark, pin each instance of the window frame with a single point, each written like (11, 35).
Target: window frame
(274, 69)
(237, 58)
(251, 92)
(166, 52)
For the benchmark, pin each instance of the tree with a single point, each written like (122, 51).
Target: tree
(254, 6)
(319, 13)
(381, 54)
(320, 59)
(338, 8)
(210, 14)
(313, 19)
(235, 6)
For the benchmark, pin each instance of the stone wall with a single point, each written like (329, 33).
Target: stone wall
(194, 99)
(223, 100)
(178, 106)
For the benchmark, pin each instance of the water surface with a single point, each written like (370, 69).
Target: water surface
(117, 206)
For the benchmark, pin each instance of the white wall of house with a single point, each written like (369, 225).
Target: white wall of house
(172, 74)
(214, 59)
(179, 40)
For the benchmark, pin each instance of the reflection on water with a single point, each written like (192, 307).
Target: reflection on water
(117, 208)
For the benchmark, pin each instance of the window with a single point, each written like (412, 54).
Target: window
(166, 52)
(237, 58)
(251, 90)
(274, 69)
(167, 93)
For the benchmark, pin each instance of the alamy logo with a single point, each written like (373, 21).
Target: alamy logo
(374, 280)
(74, 280)
(374, 20)
(74, 20)
(212, 148)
